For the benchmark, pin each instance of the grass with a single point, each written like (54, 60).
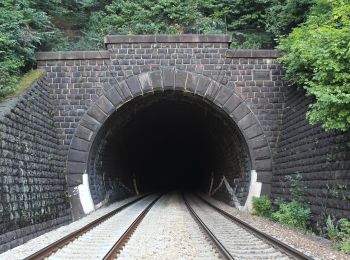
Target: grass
(25, 82)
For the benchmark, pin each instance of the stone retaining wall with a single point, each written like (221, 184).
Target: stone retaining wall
(322, 159)
(32, 182)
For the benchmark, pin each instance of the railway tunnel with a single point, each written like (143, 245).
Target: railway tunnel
(165, 141)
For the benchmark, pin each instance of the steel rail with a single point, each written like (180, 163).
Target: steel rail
(117, 247)
(275, 243)
(55, 246)
(224, 252)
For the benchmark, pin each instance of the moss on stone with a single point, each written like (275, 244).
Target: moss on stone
(26, 81)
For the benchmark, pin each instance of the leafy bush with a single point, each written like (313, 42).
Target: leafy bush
(22, 29)
(339, 234)
(294, 213)
(316, 57)
(262, 206)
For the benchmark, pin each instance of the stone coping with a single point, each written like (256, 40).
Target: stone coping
(183, 38)
(72, 55)
(252, 53)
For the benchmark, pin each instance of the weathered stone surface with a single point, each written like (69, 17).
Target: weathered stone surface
(145, 82)
(231, 104)
(97, 113)
(77, 156)
(90, 123)
(134, 85)
(168, 75)
(180, 80)
(84, 133)
(223, 96)
(202, 85)
(241, 111)
(106, 106)
(113, 96)
(32, 167)
(212, 90)
(156, 79)
(192, 80)
(124, 90)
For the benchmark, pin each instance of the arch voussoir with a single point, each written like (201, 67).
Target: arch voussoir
(167, 79)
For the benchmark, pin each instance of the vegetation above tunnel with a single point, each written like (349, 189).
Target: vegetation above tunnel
(316, 52)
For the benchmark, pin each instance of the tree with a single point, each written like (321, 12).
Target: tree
(22, 29)
(317, 57)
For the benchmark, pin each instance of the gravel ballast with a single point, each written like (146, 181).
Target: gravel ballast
(311, 245)
(44, 240)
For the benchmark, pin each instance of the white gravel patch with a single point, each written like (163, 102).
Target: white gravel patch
(311, 245)
(44, 240)
(168, 232)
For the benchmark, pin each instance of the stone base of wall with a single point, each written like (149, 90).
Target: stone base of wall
(20, 236)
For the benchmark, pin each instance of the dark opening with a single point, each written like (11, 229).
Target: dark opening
(167, 141)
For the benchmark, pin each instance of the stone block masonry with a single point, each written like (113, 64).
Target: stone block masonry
(322, 159)
(32, 181)
(48, 131)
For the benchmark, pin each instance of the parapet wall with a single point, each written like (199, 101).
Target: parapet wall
(32, 182)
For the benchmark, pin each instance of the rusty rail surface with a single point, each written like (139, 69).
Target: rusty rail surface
(55, 246)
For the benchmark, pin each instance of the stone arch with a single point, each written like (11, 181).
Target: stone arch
(166, 79)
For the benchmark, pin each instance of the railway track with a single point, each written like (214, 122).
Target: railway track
(95, 240)
(229, 237)
(234, 238)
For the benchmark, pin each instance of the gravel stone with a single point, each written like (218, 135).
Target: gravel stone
(168, 232)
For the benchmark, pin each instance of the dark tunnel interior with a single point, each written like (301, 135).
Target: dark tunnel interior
(167, 141)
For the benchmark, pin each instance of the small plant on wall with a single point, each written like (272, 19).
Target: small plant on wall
(339, 233)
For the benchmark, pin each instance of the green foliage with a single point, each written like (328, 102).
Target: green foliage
(332, 229)
(296, 187)
(316, 56)
(294, 213)
(339, 234)
(262, 206)
(22, 29)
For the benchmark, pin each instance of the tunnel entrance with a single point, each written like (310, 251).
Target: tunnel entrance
(166, 141)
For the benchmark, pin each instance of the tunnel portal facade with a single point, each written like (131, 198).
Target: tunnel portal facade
(155, 112)
(164, 127)
(114, 108)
